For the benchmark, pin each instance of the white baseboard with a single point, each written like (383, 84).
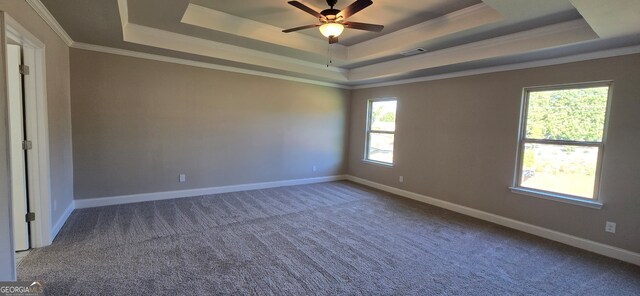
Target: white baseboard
(599, 248)
(125, 199)
(67, 212)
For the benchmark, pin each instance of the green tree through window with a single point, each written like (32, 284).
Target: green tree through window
(568, 114)
(563, 139)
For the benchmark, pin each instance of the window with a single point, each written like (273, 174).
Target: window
(381, 128)
(562, 140)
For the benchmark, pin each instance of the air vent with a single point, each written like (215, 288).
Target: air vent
(413, 52)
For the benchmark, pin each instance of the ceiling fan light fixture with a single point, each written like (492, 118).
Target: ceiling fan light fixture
(331, 29)
(334, 21)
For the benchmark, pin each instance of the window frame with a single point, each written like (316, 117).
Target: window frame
(594, 202)
(369, 131)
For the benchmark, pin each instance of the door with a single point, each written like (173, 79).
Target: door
(17, 134)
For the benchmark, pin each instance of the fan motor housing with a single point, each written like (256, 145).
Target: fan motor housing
(330, 12)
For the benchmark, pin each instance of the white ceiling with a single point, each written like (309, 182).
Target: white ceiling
(457, 34)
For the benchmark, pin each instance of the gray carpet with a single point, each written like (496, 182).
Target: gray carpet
(335, 238)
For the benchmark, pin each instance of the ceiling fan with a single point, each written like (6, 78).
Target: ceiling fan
(333, 21)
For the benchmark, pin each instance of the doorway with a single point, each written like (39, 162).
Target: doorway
(36, 179)
(19, 146)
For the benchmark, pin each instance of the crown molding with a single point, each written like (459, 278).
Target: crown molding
(50, 20)
(160, 58)
(519, 66)
(511, 44)
(487, 70)
(148, 36)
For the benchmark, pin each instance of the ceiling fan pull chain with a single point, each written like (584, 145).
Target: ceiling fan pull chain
(330, 53)
(329, 56)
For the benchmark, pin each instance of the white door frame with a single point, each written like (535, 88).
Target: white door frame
(16, 131)
(37, 127)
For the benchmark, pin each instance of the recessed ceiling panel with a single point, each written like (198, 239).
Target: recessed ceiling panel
(394, 15)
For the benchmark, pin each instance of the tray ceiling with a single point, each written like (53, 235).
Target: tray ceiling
(458, 35)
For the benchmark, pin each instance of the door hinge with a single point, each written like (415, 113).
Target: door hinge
(24, 69)
(31, 216)
(27, 145)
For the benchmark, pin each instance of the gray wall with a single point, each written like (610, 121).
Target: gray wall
(456, 141)
(138, 124)
(58, 100)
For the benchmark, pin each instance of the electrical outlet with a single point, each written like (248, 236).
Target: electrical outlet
(183, 178)
(401, 179)
(55, 205)
(314, 168)
(610, 227)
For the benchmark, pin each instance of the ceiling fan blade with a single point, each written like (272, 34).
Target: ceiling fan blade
(353, 8)
(306, 9)
(363, 26)
(300, 28)
(333, 39)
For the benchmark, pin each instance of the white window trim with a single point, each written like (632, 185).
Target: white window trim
(596, 202)
(368, 132)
